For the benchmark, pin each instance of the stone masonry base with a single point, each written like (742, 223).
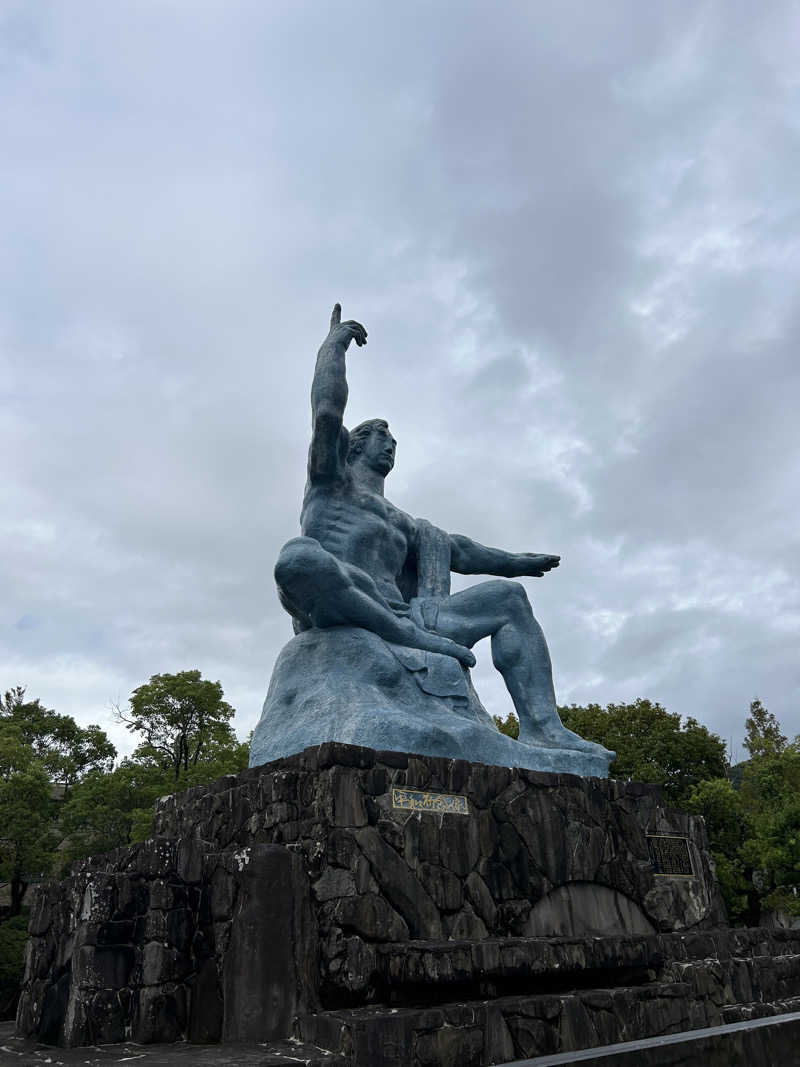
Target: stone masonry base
(398, 910)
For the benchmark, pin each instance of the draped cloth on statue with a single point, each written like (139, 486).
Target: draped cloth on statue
(428, 582)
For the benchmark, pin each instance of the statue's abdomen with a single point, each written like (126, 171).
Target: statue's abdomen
(356, 534)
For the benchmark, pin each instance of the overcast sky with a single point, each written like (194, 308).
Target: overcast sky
(572, 231)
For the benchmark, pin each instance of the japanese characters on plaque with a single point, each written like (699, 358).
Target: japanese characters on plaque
(436, 803)
(670, 856)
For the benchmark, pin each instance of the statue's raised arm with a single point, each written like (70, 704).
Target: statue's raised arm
(328, 452)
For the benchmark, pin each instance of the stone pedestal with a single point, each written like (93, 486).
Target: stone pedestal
(363, 900)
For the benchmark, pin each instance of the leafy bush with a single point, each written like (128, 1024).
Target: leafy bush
(13, 935)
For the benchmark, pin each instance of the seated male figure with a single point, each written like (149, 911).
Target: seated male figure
(345, 568)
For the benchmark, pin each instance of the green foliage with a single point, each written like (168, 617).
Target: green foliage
(770, 791)
(763, 735)
(724, 810)
(651, 744)
(13, 935)
(27, 837)
(99, 814)
(187, 741)
(65, 750)
(754, 822)
(180, 716)
(736, 887)
(728, 824)
(509, 725)
(107, 811)
(784, 898)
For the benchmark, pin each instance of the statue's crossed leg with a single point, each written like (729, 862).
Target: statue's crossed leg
(322, 591)
(316, 587)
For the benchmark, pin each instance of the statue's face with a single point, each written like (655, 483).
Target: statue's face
(379, 450)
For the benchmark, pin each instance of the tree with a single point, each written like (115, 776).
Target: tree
(754, 822)
(509, 725)
(180, 716)
(27, 839)
(186, 740)
(13, 936)
(651, 744)
(770, 792)
(107, 811)
(729, 827)
(763, 735)
(65, 750)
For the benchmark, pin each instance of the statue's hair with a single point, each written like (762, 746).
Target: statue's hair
(359, 435)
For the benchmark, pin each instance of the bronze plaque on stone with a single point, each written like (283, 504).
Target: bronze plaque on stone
(437, 803)
(670, 856)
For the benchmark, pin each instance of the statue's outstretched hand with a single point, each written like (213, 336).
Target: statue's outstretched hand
(345, 332)
(536, 564)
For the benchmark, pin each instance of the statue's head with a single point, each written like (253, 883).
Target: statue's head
(372, 442)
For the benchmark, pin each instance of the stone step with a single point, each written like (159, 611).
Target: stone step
(481, 1032)
(738, 981)
(435, 970)
(757, 1009)
(763, 1042)
(730, 966)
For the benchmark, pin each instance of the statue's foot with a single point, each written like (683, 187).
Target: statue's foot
(554, 735)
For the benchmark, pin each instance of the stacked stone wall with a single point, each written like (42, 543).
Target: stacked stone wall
(301, 885)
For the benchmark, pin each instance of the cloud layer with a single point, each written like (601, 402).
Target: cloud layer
(572, 233)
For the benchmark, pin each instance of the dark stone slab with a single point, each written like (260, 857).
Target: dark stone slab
(263, 987)
(400, 885)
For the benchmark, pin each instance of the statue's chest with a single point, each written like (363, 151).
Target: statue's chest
(380, 521)
(357, 523)
(377, 511)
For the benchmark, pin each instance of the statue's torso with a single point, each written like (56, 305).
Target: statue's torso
(361, 528)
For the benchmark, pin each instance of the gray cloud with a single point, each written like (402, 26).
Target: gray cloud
(572, 233)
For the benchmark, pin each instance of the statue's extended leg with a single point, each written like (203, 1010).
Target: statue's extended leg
(316, 586)
(501, 609)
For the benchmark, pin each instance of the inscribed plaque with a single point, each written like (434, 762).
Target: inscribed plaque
(418, 800)
(670, 856)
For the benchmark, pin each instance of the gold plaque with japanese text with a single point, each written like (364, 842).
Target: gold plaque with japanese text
(436, 803)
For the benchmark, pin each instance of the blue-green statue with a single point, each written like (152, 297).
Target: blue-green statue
(381, 652)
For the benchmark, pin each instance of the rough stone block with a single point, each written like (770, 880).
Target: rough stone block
(399, 885)
(205, 1005)
(160, 1014)
(264, 983)
(450, 1048)
(370, 916)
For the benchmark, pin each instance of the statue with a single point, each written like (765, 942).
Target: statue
(381, 655)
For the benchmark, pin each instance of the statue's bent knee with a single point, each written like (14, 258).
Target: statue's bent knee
(298, 560)
(505, 591)
(305, 570)
(517, 591)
